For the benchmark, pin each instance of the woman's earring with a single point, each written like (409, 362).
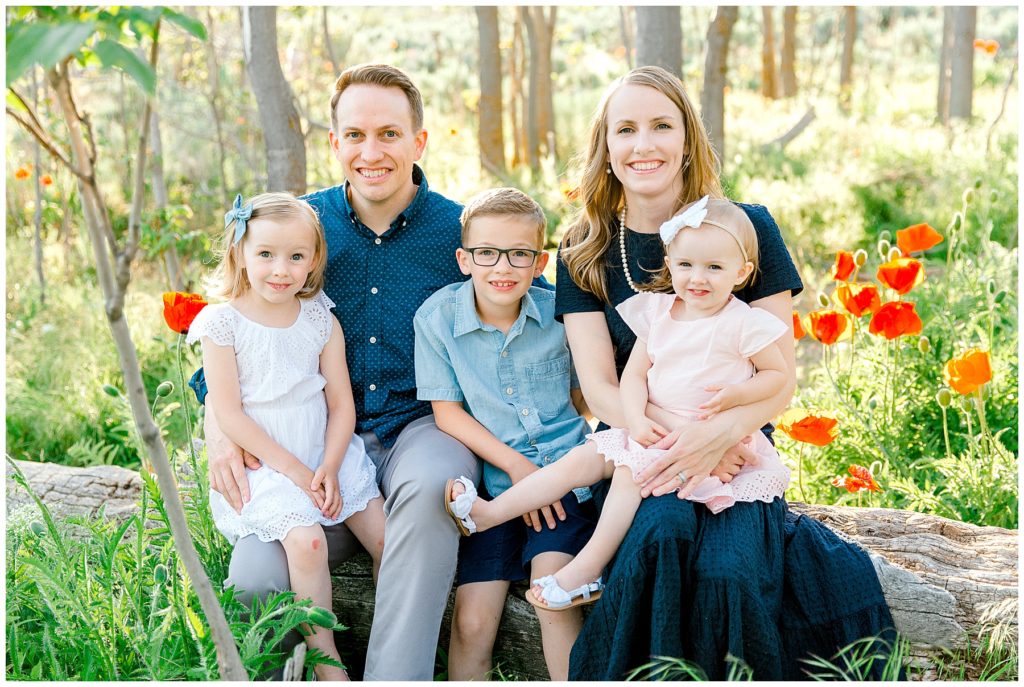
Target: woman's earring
(608, 169)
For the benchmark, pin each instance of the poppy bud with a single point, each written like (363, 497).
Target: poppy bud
(991, 286)
(164, 389)
(885, 236)
(111, 391)
(872, 403)
(993, 195)
(894, 253)
(883, 248)
(968, 196)
(321, 616)
(944, 398)
(965, 404)
(957, 220)
(977, 182)
(1000, 296)
(160, 574)
(924, 345)
(823, 300)
(37, 528)
(860, 257)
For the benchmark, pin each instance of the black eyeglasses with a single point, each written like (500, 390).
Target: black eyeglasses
(485, 256)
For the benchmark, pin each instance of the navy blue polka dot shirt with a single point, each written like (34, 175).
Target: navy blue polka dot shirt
(378, 283)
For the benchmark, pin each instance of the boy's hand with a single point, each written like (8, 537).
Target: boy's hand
(532, 519)
(725, 398)
(326, 478)
(646, 431)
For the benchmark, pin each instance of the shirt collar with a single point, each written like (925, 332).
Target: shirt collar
(405, 216)
(467, 319)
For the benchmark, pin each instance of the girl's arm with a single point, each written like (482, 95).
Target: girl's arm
(226, 400)
(698, 447)
(770, 377)
(341, 417)
(634, 393)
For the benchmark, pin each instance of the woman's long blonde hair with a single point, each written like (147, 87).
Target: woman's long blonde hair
(590, 234)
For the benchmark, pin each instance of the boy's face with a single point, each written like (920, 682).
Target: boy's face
(500, 287)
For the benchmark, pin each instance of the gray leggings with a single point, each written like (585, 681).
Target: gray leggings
(421, 547)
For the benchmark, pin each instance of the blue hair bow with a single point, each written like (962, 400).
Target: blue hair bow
(239, 214)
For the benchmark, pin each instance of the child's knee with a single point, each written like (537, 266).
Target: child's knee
(306, 544)
(475, 626)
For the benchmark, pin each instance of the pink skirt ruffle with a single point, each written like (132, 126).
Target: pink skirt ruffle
(763, 482)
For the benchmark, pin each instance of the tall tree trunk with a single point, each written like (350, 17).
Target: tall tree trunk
(788, 60)
(945, 59)
(540, 128)
(659, 38)
(37, 217)
(516, 102)
(490, 133)
(628, 32)
(328, 48)
(769, 82)
(282, 130)
(846, 65)
(213, 96)
(172, 263)
(961, 76)
(712, 99)
(113, 270)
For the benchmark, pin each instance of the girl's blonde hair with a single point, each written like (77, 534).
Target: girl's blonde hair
(590, 234)
(725, 215)
(230, 281)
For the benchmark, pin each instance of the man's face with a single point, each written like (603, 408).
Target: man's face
(375, 141)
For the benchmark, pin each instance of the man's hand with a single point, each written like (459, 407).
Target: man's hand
(226, 464)
(532, 519)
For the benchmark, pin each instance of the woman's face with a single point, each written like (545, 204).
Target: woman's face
(646, 142)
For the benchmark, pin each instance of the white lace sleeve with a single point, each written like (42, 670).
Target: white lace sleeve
(215, 321)
(319, 313)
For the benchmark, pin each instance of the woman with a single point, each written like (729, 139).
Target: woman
(755, 581)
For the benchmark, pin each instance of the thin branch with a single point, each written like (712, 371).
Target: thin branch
(45, 142)
(1002, 106)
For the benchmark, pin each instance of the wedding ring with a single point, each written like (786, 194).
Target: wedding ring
(682, 477)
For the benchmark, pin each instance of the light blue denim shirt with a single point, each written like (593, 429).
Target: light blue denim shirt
(517, 386)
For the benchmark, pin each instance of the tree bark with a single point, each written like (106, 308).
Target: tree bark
(769, 82)
(961, 75)
(172, 263)
(788, 48)
(540, 127)
(282, 130)
(328, 48)
(712, 98)
(628, 32)
(659, 38)
(490, 133)
(213, 97)
(37, 216)
(846, 65)
(517, 104)
(945, 61)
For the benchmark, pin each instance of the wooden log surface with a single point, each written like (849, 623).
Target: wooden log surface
(942, 579)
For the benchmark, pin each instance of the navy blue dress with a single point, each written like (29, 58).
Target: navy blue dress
(755, 581)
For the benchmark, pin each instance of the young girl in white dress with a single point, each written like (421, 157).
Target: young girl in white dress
(699, 351)
(274, 357)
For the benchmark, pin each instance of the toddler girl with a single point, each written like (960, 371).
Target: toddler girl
(274, 356)
(699, 351)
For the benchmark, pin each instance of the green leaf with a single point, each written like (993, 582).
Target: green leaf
(193, 26)
(115, 55)
(43, 44)
(195, 622)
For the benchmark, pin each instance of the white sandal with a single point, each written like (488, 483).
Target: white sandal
(559, 599)
(459, 507)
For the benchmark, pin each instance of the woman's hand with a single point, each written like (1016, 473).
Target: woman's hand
(694, 450)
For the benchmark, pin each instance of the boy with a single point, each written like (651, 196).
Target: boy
(495, 366)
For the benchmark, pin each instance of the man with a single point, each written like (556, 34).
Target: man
(391, 243)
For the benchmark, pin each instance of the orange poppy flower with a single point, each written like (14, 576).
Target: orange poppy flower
(992, 47)
(844, 266)
(181, 308)
(901, 274)
(827, 326)
(22, 173)
(858, 298)
(968, 371)
(798, 329)
(860, 479)
(919, 237)
(895, 319)
(818, 429)
(46, 179)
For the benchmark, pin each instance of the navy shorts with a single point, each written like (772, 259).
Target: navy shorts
(504, 552)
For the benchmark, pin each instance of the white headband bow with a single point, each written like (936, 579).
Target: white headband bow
(693, 216)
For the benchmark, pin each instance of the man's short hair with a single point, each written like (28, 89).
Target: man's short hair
(504, 201)
(383, 75)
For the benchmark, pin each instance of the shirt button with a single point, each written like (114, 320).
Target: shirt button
(377, 241)
(509, 391)
(504, 354)
(373, 339)
(547, 459)
(373, 290)
(373, 387)
(533, 442)
(526, 411)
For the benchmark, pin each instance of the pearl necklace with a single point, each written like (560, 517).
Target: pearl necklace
(622, 249)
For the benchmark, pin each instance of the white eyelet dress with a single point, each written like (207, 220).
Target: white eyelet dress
(283, 391)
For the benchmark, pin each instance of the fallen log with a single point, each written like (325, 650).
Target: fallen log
(944, 580)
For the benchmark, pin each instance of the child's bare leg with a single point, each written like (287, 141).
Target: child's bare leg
(478, 608)
(558, 629)
(368, 526)
(580, 467)
(617, 515)
(306, 549)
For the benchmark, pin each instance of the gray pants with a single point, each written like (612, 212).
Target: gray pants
(421, 547)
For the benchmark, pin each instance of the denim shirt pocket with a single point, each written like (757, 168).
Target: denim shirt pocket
(549, 384)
